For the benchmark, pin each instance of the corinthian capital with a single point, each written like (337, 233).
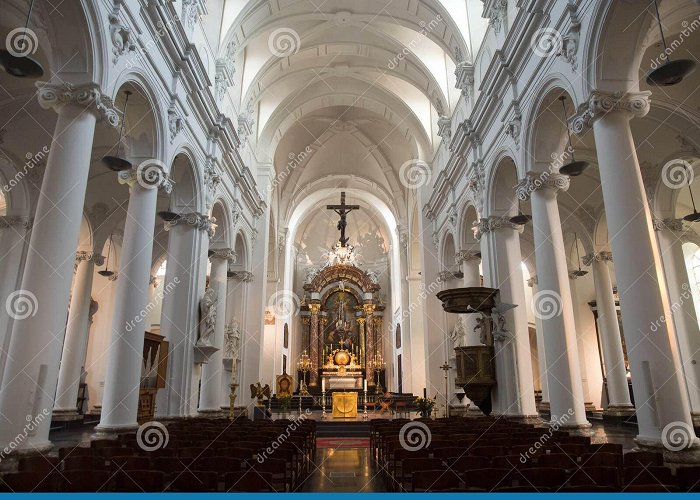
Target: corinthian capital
(223, 253)
(195, 220)
(493, 223)
(601, 103)
(668, 225)
(596, 257)
(81, 255)
(15, 221)
(466, 256)
(150, 174)
(534, 181)
(89, 96)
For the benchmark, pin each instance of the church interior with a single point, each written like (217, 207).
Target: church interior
(349, 246)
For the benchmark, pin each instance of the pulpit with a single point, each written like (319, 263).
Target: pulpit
(344, 404)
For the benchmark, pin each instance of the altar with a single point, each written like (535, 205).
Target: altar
(341, 371)
(344, 405)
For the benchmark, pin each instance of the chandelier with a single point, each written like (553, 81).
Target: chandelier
(342, 255)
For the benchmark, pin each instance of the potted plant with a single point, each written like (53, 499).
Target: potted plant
(285, 403)
(424, 406)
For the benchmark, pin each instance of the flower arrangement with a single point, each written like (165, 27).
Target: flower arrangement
(285, 402)
(424, 406)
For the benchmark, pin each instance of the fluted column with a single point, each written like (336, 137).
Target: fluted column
(14, 236)
(210, 388)
(659, 387)
(43, 299)
(75, 343)
(619, 402)
(553, 300)
(125, 356)
(313, 338)
(670, 236)
(513, 360)
(371, 345)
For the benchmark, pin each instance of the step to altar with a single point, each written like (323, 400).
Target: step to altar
(340, 428)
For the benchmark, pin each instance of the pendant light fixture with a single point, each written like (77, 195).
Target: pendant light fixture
(521, 219)
(168, 216)
(117, 163)
(670, 72)
(579, 272)
(21, 65)
(695, 216)
(106, 272)
(573, 168)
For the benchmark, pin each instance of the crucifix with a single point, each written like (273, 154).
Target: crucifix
(343, 210)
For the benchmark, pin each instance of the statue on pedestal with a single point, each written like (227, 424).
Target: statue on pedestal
(207, 309)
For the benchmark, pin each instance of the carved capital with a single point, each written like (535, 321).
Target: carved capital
(545, 180)
(532, 281)
(89, 96)
(601, 103)
(494, 223)
(223, 253)
(668, 225)
(445, 276)
(150, 174)
(596, 257)
(466, 256)
(15, 221)
(195, 220)
(242, 276)
(97, 258)
(314, 308)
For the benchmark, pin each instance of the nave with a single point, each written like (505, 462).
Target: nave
(384, 454)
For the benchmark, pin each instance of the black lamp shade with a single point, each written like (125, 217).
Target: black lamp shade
(117, 164)
(168, 216)
(579, 272)
(694, 217)
(671, 72)
(106, 273)
(521, 219)
(573, 169)
(21, 67)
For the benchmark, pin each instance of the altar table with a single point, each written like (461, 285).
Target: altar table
(344, 404)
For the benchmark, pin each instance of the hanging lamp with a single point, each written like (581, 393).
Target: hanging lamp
(573, 168)
(22, 66)
(579, 272)
(168, 216)
(117, 163)
(695, 216)
(670, 72)
(521, 219)
(106, 272)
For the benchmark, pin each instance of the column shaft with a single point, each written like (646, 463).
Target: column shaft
(38, 329)
(314, 339)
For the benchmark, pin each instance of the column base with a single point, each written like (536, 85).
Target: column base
(618, 414)
(112, 431)
(65, 415)
(680, 458)
(590, 407)
(525, 419)
(696, 420)
(544, 407)
(575, 427)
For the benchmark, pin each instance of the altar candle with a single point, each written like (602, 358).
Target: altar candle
(365, 384)
(323, 385)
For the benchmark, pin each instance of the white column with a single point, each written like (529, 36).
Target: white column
(515, 394)
(580, 344)
(186, 274)
(124, 364)
(685, 319)
(553, 301)
(75, 343)
(660, 391)
(541, 365)
(14, 237)
(41, 304)
(619, 402)
(210, 390)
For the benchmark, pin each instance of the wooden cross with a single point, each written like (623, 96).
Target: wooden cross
(343, 210)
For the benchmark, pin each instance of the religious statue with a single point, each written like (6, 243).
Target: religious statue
(458, 333)
(258, 391)
(482, 327)
(232, 345)
(207, 309)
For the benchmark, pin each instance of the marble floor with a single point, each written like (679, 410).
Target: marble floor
(346, 470)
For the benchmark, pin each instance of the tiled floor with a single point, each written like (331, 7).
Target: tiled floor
(344, 470)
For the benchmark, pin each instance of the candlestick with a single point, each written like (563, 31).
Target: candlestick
(365, 384)
(364, 414)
